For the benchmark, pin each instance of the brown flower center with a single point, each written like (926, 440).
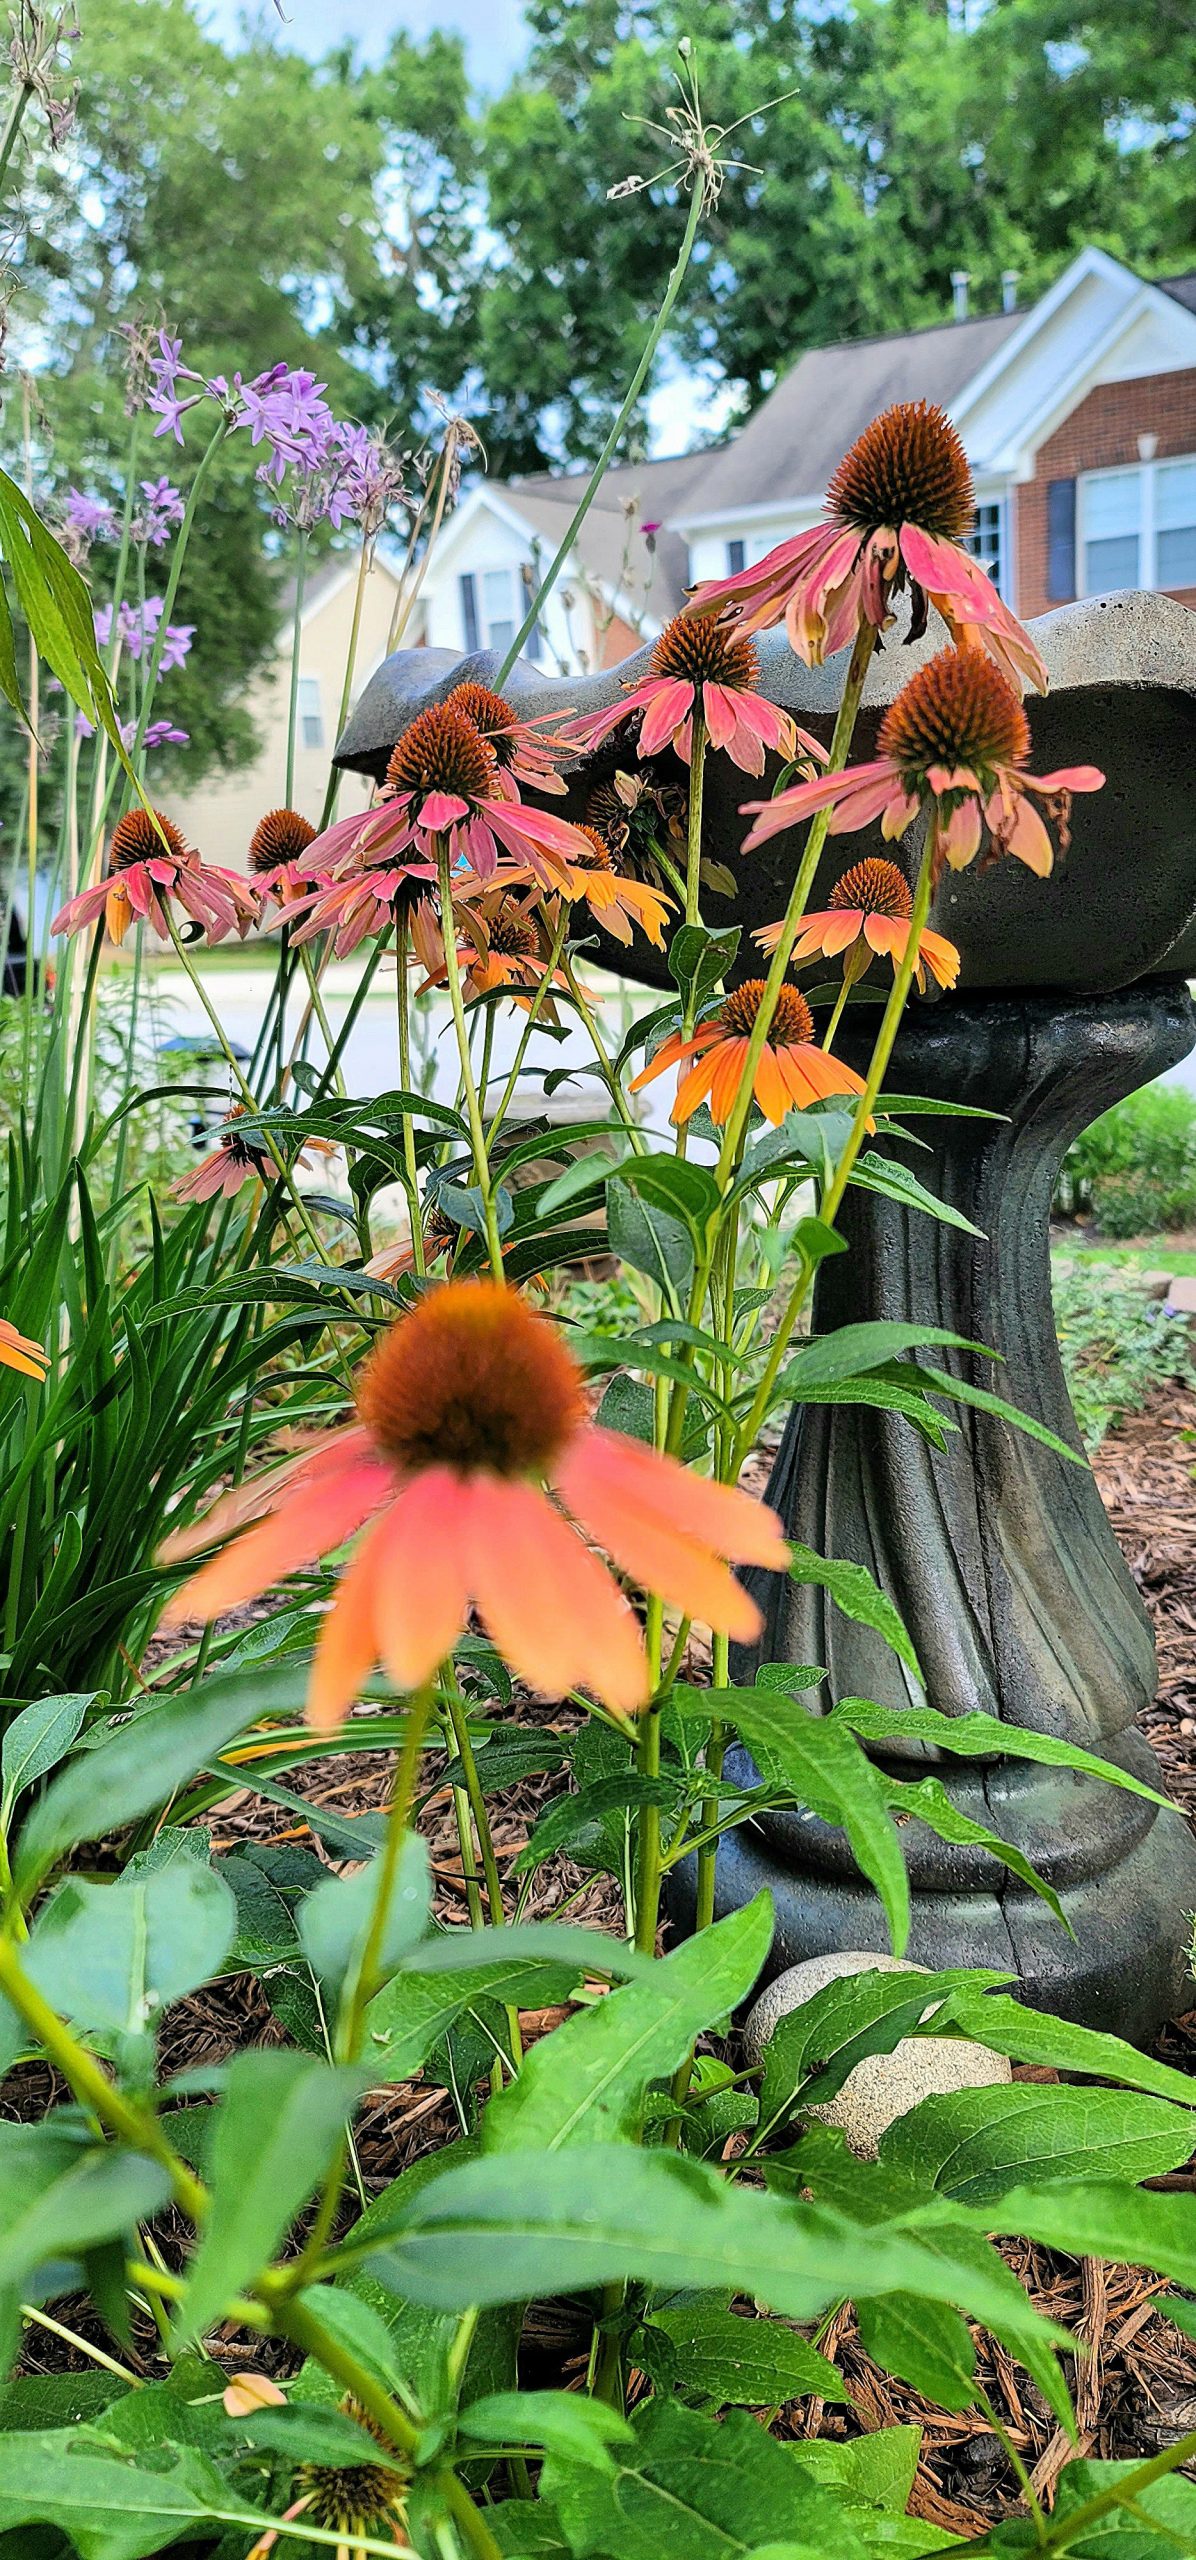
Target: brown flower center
(908, 467)
(598, 855)
(472, 1380)
(698, 648)
(489, 713)
(281, 836)
(513, 935)
(957, 710)
(135, 838)
(441, 751)
(792, 1023)
(878, 887)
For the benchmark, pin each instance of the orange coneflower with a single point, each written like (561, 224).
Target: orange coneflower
(277, 849)
(954, 742)
(150, 861)
(19, 1353)
(481, 1475)
(596, 882)
(869, 912)
(702, 664)
(362, 901)
(354, 2499)
(899, 509)
(504, 944)
(790, 1071)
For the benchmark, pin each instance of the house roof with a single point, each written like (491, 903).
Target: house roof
(1181, 288)
(790, 448)
(611, 546)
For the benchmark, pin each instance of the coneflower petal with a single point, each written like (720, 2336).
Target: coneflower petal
(735, 1524)
(312, 1517)
(551, 1607)
(422, 1600)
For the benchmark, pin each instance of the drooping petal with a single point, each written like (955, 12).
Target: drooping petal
(721, 708)
(960, 838)
(441, 809)
(840, 929)
(790, 807)
(1028, 839)
(1071, 777)
(677, 1569)
(312, 1516)
(550, 1606)
(348, 1646)
(863, 802)
(964, 593)
(769, 1087)
(736, 1524)
(422, 1599)
(694, 1087)
(594, 726)
(941, 958)
(759, 593)
(672, 703)
(672, 1050)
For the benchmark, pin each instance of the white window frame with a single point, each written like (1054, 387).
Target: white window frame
(309, 706)
(500, 569)
(1147, 474)
(999, 499)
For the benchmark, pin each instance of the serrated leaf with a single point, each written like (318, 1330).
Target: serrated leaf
(855, 1591)
(925, 2344)
(981, 1737)
(279, 2122)
(854, 1348)
(112, 1956)
(650, 1240)
(813, 2049)
(894, 1181)
(699, 2490)
(718, 2355)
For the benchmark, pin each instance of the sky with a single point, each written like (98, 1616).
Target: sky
(493, 29)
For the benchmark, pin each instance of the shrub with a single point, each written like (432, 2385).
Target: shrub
(1136, 1166)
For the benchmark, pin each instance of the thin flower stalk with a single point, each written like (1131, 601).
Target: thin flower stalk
(477, 1132)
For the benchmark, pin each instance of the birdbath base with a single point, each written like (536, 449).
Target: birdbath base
(997, 1552)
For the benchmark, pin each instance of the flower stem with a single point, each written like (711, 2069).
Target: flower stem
(888, 1030)
(452, 972)
(530, 1019)
(334, 777)
(861, 657)
(837, 1013)
(403, 1011)
(693, 847)
(634, 388)
(296, 629)
(178, 556)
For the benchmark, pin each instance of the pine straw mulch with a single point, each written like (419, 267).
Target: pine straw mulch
(1136, 2389)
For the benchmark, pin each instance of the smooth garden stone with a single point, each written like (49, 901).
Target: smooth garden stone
(885, 2085)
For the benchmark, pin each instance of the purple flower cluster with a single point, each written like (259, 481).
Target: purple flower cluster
(137, 630)
(93, 518)
(162, 509)
(339, 473)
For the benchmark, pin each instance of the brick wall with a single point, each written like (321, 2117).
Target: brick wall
(1101, 433)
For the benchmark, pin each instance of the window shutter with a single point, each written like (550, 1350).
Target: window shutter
(1061, 541)
(736, 558)
(469, 610)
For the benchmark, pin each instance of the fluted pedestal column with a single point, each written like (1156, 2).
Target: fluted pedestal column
(998, 1554)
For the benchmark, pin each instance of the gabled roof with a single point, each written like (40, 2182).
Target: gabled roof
(789, 449)
(1181, 288)
(611, 546)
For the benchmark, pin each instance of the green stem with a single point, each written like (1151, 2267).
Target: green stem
(370, 1968)
(13, 127)
(92, 2087)
(530, 1019)
(861, 659)
(334, 778)
(888, 1030)
(410, 1160)
(693, 846)
(837, 1012)
(634, 388)
(459, 1720)
(178, 556)
(296, 630)
(452, 972)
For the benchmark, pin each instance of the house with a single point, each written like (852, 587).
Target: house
(220, 814)
(1079, 420)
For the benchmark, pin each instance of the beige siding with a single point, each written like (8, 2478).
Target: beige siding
(221, 814)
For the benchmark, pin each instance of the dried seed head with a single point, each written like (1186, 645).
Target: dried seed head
(512, 934)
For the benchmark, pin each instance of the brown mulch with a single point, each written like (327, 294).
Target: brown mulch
(1136, 2392)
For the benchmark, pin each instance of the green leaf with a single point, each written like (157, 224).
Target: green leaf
(710, 2353)
(513, 2224)
(1173, 2307)
(335, 1919)
(280, 2121)
(699, 959)
(57, 608)
(305, 2432)
(854, 1591)
(960, 1391)
(1029, 2035)
(553, 2421)
(872, 2471)
(144, 1760)
(97, 2195)
(854, 1348)
(795, 1753)
(976, 2144)
(812, 2050)
(574, 1821)
(112, 1956)
(586, 2082)
(1156, 2522)
(548, 1942)
(650, 1240)
(108, 2509)
(409, 2016)
(1101, 2219)
(927, 1800)
(980, 1737)
(894, 1181)
(37, 1740)
(925, 2344)
(689, 2488)
(678, 1187)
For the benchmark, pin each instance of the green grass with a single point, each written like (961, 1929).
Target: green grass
(1159, 1255)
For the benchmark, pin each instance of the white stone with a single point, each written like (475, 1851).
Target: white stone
(885, 2085)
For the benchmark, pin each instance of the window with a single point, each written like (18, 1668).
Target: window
(1112, 531)
(1138, 527)
(530, 578)
(986, 541)
(498, 608)
(311, 718)
(736, 558)
(1175, 524)
(469, 611)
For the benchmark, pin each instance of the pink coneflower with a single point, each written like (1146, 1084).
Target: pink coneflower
(955, 742)
(505, 946)
(443, 781)
(531, 752)
(791, 1070)
(232, 1162)
(482, 1478)
(278, 849)
(362, 902)
(144, 871)
(701, 663)
(869, 912)
(899, 509)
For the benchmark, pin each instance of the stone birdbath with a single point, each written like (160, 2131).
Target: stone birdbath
(998, 1554)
